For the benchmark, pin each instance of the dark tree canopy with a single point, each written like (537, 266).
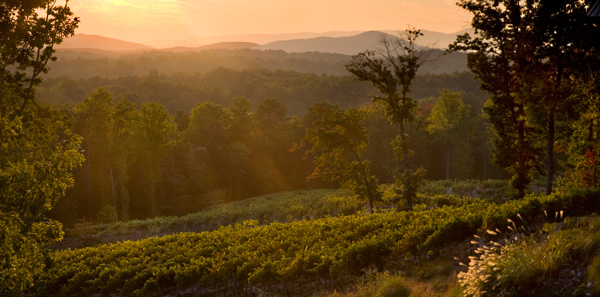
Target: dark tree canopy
(37, 150)
(523, 53)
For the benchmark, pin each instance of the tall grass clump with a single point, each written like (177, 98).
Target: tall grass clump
(550, 260)
(518, 267)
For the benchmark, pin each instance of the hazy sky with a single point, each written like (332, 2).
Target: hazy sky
(144, 20)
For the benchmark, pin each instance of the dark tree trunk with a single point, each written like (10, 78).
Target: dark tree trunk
(88, 187)
(550, 150)
(448, 164)
(409, 200)
(114, 195)
(522, 158)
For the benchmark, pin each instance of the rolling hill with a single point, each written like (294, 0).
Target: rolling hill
(351, 45)
(215, 46)
(340, 45)
(85, 41)
(252, 38)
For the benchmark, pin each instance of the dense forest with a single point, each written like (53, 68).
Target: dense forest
(164, 166)
(228, 127)
(227, 135)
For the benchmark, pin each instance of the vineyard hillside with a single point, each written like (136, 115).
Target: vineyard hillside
(299, 257)
(280, 207)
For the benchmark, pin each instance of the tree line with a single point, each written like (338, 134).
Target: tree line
(142, 161)
(90, 63)
(296, 90)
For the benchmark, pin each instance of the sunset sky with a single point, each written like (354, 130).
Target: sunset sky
(145, 20)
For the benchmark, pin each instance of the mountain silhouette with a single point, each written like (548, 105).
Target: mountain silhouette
(352, 45)
(85, 41)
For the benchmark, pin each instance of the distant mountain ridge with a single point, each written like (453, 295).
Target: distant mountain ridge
(352, 45)
(252, 38)
(339, 45)
(342, 42)
(97, 42)
(313, 55)
(219, 45)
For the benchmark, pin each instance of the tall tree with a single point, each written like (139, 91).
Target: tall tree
(93, 121)
(122, 142)
(37, 150)
(522, 53)
(392, 71)
(207, 132)
(154, 132)
(338, 140)
(450, 122)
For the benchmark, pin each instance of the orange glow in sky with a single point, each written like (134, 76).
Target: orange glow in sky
(144, 20)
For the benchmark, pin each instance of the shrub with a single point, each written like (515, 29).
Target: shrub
(106, 215)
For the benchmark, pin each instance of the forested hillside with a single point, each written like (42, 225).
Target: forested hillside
(227, 121)
(90, 63)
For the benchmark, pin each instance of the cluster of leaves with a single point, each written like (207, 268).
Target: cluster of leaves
(338, 141)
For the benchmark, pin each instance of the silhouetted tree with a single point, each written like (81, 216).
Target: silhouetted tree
(392, 71)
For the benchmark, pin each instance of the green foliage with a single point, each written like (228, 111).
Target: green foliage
(37, 149)
(489, 190)
(262, 255)
(525, 62)
(582, 148)
(517, 268)
(541, 264)
(288, 207)
(392, 71)
(385, 286)
(338, 140)
(29, 31)
(106, 215)
(449, 115)
(118, 139)
(450, 123)
(248, 255)
(281, 207)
